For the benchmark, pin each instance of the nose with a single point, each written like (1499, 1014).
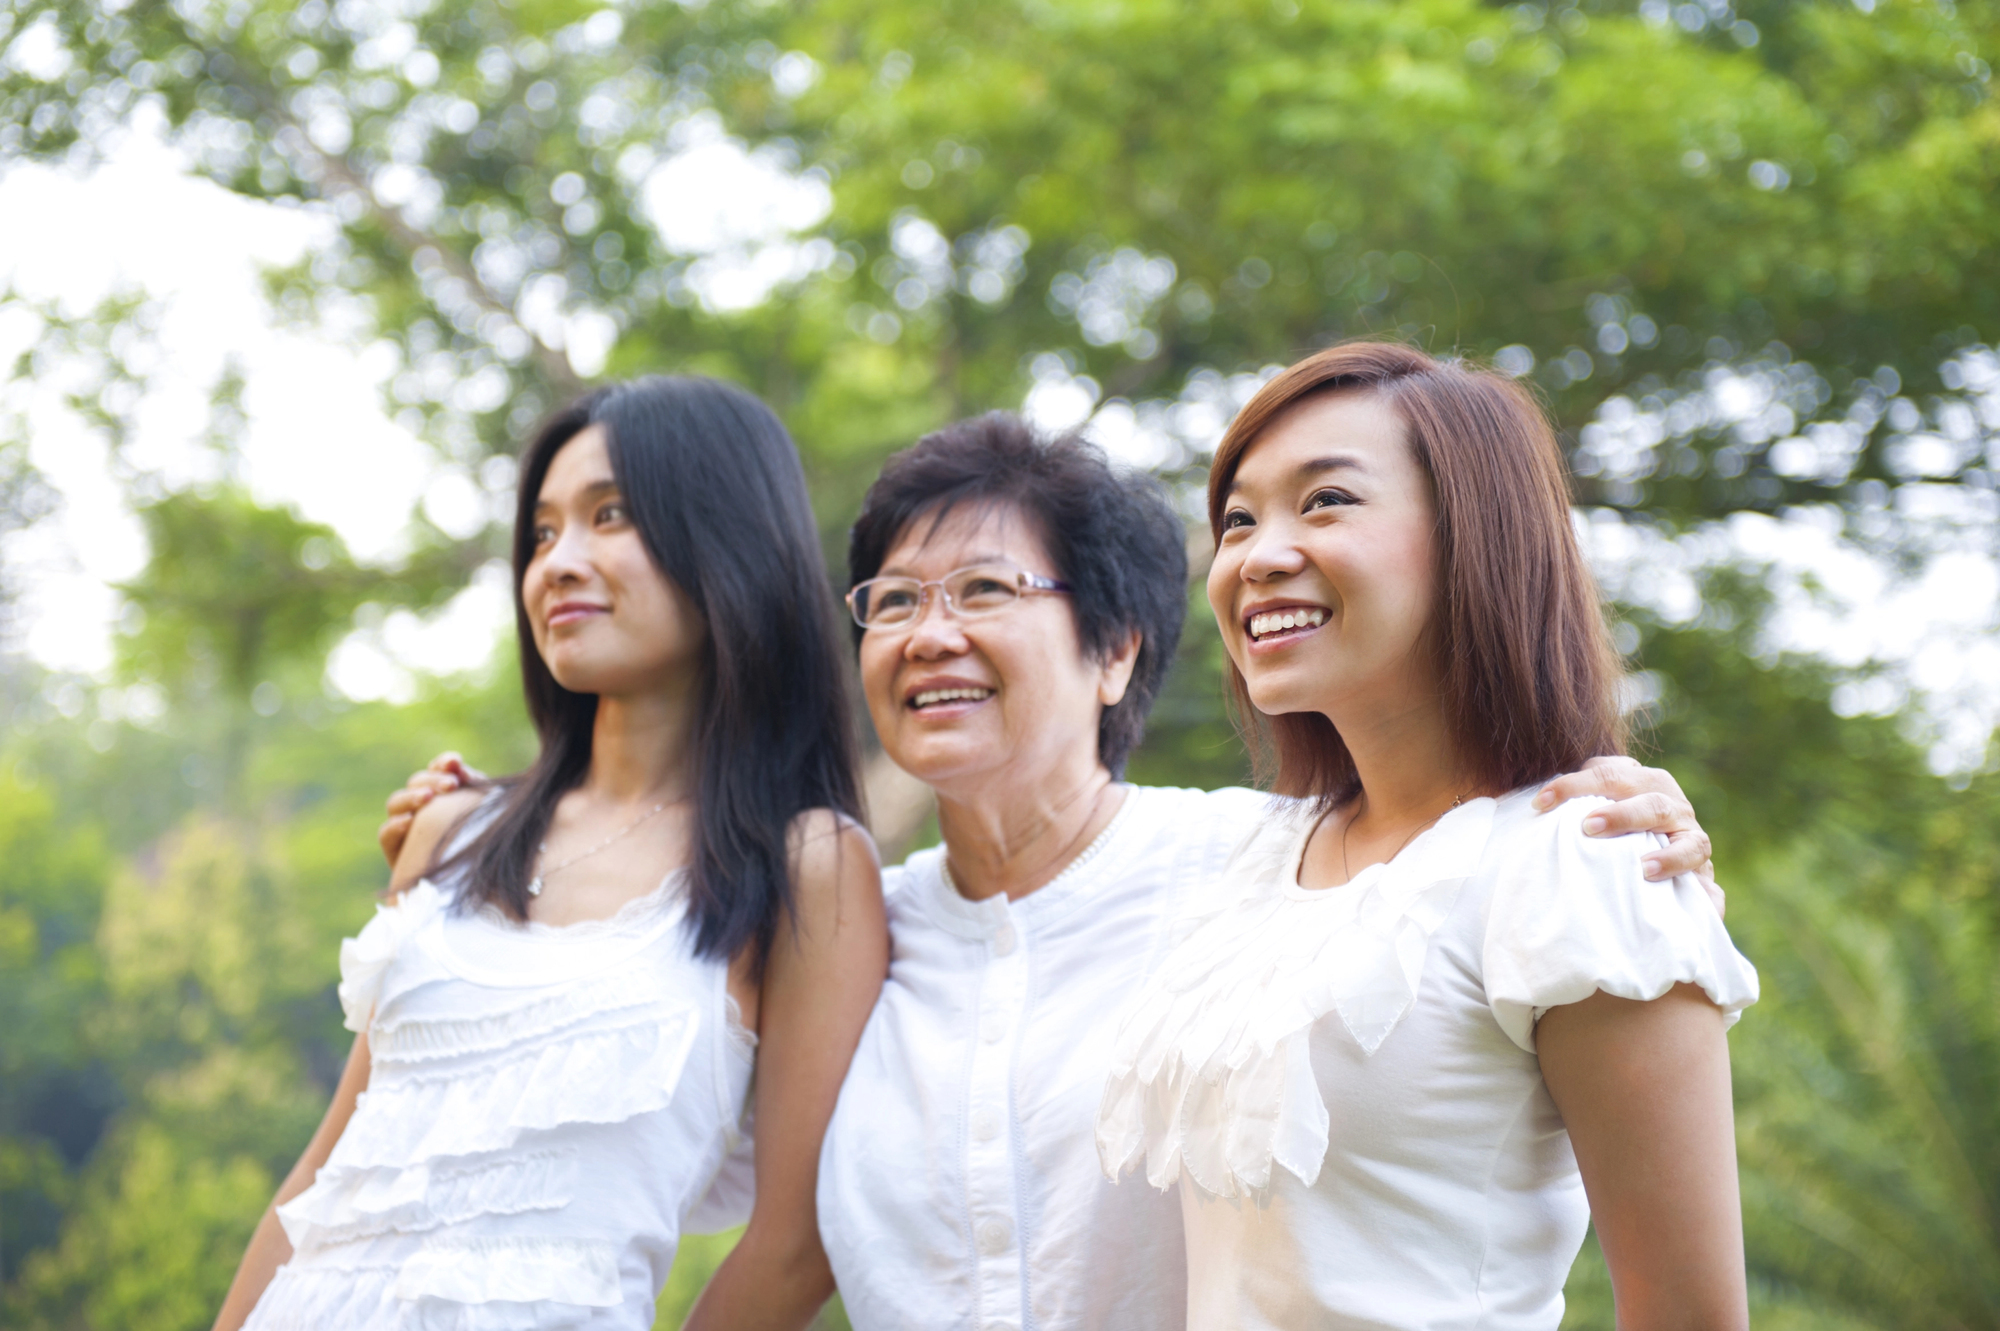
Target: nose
(1272, 554)
(566, 561)
(936, 632)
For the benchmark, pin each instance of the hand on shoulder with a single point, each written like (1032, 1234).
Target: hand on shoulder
(431, 827)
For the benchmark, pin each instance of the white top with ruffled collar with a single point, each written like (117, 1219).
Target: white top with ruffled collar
(548, 1110)
(1343, 1082)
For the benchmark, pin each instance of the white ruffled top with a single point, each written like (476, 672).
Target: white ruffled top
(547, 1110)
(1344, 1081)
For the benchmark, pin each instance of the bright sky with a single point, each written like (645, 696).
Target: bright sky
(318, 438)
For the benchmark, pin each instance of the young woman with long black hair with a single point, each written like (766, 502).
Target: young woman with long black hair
(557, 1014)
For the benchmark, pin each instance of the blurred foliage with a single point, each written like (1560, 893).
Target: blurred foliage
(1155, 194)
(1746, 248)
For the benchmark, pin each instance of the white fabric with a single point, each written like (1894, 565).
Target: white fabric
(957, 1185)
(1375, 1043)
(547, 1110)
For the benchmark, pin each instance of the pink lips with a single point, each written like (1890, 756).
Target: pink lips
(574, 612)
(1277, 642)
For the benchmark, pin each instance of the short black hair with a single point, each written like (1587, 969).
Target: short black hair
(1114, 538)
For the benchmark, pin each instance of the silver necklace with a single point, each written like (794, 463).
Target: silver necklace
(540, 880)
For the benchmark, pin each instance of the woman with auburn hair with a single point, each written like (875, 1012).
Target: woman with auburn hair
(1424, 1028)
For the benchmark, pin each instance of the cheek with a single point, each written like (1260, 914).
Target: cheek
(1399, 571)
(877, 663)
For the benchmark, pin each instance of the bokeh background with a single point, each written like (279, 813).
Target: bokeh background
(282, 285)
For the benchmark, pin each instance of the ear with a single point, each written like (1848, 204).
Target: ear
(1115, 672)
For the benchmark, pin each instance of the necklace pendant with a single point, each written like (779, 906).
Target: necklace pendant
(535, 886)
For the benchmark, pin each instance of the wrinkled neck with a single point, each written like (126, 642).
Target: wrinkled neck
(1015, 837)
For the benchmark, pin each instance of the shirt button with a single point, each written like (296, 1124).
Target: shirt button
(992, 1027)
(1003, 942)
(985, 1125)
(994, 1236)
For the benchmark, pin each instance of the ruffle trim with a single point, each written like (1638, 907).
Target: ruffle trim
(348, 1205)
(604, 1076)
(477, 1285)
(423, 1039)
(365, 958)
(1212, 1071)
(638, 916)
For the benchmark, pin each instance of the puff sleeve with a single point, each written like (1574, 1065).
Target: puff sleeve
(365, 958)
(1572, 914)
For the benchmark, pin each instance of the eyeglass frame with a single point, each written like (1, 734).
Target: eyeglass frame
(1025, 582)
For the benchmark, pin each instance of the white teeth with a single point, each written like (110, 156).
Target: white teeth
(929, 696)
(1279, 621)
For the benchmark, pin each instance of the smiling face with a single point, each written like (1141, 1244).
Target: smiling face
(604, 617)
(968, 704)
(1325, 577)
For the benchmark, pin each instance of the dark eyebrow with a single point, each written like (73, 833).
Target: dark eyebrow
(1315, 467)
(596, 489)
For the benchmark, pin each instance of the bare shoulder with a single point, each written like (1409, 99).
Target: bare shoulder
(434, 823)
(833, 858)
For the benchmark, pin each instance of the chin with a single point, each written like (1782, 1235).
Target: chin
(935, 758)
(1282, 697)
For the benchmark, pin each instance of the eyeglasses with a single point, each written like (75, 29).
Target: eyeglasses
(969, 593)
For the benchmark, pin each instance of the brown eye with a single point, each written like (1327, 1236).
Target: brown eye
(1235, 518)
(1330, 499)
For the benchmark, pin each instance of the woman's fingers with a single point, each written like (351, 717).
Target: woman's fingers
(392, 834)
(1614, 778)
(1716, 896)
(1644, 799)
(1686, 851)
(419, 790)
(451, 764)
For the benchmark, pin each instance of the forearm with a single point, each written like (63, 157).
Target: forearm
(767, 1283)
(269, 1249)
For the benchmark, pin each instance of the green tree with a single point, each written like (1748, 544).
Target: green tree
(54, 1094)
(1151, 189)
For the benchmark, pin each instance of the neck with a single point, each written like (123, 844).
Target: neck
(1409, 766)
(1014, 838)
(641, 748)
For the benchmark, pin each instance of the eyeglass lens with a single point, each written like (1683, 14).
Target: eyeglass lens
(969, 591)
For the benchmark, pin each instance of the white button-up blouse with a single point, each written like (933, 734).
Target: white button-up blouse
(959, 1185)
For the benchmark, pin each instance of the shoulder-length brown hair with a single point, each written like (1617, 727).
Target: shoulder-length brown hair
(1530, 680)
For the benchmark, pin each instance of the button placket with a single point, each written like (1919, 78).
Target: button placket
(989, 1161)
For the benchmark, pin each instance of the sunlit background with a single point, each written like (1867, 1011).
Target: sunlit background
(282, 286)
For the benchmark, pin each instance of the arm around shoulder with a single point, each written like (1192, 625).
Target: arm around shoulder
(434, 824)
(1573, 915)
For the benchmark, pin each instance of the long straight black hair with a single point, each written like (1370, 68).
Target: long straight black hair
(713, 484)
